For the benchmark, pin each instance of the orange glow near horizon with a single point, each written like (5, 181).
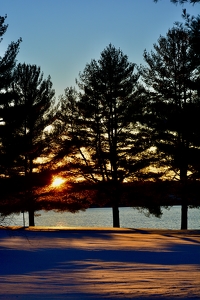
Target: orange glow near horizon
(57, 181)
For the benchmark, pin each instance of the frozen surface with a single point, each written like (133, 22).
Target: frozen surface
(53, 263)
(102, 217)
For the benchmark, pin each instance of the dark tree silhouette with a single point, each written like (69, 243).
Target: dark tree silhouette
(192, 24)
(102, 123)
(30, 112)
(7, 64)
(174, 106)
(182, 1)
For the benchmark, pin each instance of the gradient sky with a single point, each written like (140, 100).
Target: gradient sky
(61, 36)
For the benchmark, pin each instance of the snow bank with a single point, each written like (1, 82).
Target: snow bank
(70, 263)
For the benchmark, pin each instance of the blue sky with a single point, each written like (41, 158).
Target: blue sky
(61, 36)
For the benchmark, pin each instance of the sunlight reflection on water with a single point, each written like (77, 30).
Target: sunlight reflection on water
(102, 217)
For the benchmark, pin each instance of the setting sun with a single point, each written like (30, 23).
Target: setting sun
(57, 181)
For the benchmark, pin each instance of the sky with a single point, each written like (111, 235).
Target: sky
(62, 36)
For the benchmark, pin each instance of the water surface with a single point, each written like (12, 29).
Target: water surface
(102, 217)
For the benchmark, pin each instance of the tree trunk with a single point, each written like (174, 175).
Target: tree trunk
(184, 206)
(184, 216)
(115, 210)
(31, 217)
(31, 198)
(31, 207)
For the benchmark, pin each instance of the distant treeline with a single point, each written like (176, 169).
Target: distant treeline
(80, 196)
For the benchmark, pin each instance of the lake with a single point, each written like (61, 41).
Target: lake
(102, 217)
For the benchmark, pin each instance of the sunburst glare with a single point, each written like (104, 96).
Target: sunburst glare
(57, 181)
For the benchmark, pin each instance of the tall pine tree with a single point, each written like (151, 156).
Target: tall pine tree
(7, 64)
(102, 122)
(31, 112)
(174, 105)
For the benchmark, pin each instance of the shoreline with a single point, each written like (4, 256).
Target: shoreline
(103, 229)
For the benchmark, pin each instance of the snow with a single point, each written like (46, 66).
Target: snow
(99, 263)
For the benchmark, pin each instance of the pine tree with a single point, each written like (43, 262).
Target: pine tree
(182, 1)
(31, 112)
(102, 122)
(174, 106)
(7, 64)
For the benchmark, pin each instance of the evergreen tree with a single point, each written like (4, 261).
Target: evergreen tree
(174, 105)
(7, 64)
(182, 1)
(102, 123)
(26, 119)
(192, 24)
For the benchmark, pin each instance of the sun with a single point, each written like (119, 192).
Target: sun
(57, 181)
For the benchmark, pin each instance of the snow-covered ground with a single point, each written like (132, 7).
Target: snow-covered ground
(102, 263)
